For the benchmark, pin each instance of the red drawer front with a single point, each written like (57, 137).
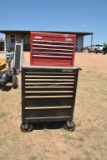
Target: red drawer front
(52, 49)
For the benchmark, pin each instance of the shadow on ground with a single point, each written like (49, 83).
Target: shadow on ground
(48, 125)
(6, 88)
(42, 126)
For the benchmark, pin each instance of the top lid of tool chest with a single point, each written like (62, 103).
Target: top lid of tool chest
(52, 49)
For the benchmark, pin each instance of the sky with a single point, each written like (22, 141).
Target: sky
(56, 15)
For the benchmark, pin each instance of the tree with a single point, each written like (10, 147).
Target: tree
(105, 44)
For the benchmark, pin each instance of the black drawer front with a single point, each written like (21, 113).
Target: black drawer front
(48, 92)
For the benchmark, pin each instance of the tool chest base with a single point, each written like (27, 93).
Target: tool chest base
(48, 95)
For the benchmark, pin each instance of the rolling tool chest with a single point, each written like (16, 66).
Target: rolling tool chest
(49, 84)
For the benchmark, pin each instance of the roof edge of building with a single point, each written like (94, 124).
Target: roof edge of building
(28, 32)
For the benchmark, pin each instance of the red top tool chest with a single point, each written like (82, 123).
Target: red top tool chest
(52, 49)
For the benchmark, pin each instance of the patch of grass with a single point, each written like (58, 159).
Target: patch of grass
(81, 139)
(67, 137)
(43, 154)
(87, 152)
(89, 158)
(94, 147)
(97, 147)
(90, 130)
(64, 152)
(80, 145)
(27, 147)
(78, 124)
(3, 114)
(33, 158)
(2, 142)
(14, 137)
(89, 155)
(3, 157)
(75, 158)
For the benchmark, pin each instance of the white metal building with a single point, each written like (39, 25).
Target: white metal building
(11, 36)
(1, 44)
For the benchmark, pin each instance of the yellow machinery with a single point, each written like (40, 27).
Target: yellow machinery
(2, 64)
(8, 73)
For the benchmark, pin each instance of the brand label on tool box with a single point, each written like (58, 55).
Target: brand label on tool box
(67, 70)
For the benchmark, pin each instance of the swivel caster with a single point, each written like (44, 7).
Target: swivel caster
(15, 82)
(69, 125)
(26, 127)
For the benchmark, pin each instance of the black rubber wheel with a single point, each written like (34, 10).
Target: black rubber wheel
(96, 51)
(88, 51)
(70, 125)
(15, 82)
(14, 70)
(26, 127)
(103, 53)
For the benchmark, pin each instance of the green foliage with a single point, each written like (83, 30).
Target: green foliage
(105, 44)
(86, 47)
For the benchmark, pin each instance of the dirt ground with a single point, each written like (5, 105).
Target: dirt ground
(87, 61)
(87, 142)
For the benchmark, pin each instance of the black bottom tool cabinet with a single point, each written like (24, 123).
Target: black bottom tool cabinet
(48, 95)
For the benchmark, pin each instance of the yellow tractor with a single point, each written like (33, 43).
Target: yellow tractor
(2, 64)
(8, 73)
